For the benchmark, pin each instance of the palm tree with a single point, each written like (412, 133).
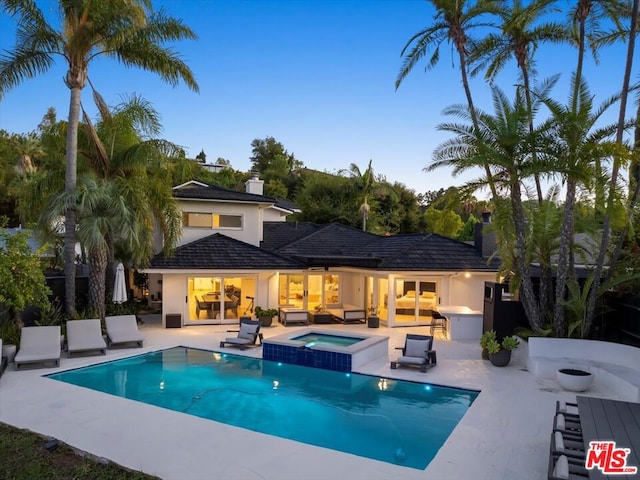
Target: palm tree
(613, 185)
(138, 166)
(504, 142)
(28, 148)
(576, 142)
(520, 37)
(364, 182)
(101, 209)
(452, 21)
(126, 30)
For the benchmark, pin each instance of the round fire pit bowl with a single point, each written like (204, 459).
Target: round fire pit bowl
(574, 379)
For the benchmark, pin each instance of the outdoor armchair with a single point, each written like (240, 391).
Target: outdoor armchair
(417, 352)
(248, 335)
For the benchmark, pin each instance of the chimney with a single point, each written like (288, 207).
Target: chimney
(485, 237)
(254, 185)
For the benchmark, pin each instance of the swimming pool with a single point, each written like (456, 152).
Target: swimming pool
(393, 421)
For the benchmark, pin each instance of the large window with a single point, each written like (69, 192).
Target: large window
(211, 220)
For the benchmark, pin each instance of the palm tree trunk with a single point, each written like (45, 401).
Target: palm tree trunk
(527, 294)
(71, 177)
(474, 116)
(110, 272)
(98, 266)
(562, 272)
(527, 95)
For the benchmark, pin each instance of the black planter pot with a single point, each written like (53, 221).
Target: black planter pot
(265, 320)
(500, 359)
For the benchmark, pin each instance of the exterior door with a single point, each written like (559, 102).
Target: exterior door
(415, 300)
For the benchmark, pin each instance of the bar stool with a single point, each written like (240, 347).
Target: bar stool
(438, 321)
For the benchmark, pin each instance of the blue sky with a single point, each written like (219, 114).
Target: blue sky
(318, 75)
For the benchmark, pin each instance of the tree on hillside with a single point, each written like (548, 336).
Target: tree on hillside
(443, 222)
(326, 198)
(126, 30)
(363, 182)
(201, 157)
(270, 158)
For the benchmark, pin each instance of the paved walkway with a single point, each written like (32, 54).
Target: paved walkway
(504, 435)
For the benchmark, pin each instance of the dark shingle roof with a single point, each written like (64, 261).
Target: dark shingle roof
(287, 205)
(221, 252)
(197, 190)
(338, 245)
(279, 234)
(331, 241)
(428, 252)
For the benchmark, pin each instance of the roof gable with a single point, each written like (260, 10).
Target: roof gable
(198, 190)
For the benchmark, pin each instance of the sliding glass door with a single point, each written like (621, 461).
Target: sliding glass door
(219, 300)
(415, 301)
(309, 291)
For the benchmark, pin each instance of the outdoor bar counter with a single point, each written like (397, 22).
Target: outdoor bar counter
(464, 323)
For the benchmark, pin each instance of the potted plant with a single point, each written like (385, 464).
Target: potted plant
(265, 315)
(500, 352)
(10, 335)
(484, 342)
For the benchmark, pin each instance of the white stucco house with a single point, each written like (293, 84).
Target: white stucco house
(238, 251)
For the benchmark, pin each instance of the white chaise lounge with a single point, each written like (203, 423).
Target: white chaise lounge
(85, 336)
(39, 345)
(123, 329)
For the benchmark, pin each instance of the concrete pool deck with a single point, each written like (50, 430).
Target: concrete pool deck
(505, 433)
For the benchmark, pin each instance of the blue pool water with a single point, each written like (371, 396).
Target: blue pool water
(389, 420)
(312, 339)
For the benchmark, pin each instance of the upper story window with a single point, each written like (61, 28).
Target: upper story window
(211, 220)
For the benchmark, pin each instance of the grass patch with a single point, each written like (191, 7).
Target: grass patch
(24, 457)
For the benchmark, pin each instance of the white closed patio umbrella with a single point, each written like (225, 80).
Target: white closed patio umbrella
(120, 286)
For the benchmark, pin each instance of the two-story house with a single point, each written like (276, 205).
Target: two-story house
(237, 251)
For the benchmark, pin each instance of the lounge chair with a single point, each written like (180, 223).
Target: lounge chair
(564, 468)
(417, 352)
(85, 336)
(248, 334)
(122, 329)
(39, 345)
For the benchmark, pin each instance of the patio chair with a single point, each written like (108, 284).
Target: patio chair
(248, 334)
(569, 410)
(417, 352)
(438, 321)
(561, 445)
(39, 345)
(85, 336)
(122, 329)
(564, 468)
(565, 425)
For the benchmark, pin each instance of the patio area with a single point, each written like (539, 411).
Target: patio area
(505, 433)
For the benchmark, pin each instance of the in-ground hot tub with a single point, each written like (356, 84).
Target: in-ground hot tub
(328, 349)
